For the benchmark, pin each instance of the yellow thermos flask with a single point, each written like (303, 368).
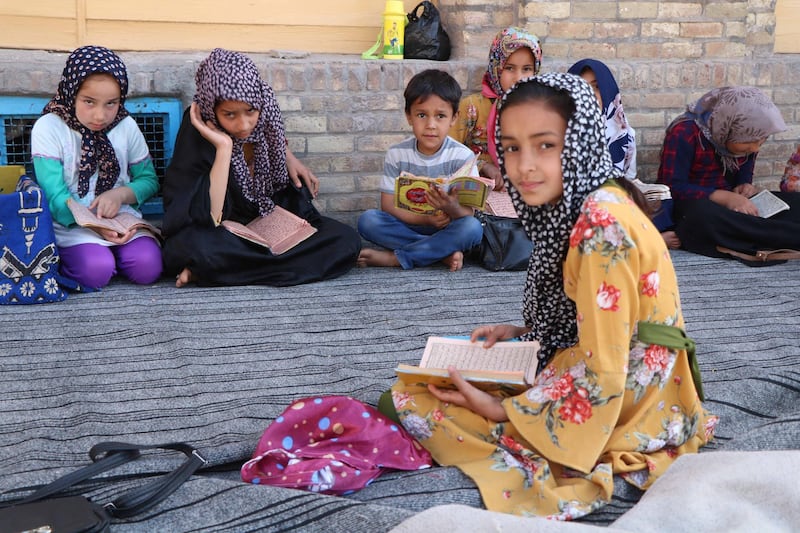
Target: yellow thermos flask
(394, 24)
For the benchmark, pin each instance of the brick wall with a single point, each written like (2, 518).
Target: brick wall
(342, 112)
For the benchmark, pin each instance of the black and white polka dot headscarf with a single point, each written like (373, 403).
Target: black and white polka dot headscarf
(227, 75)
(97, 153)
(586, 164)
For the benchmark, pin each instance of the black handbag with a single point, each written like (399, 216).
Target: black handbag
(504, 246)
(78, 514)
(424, 36)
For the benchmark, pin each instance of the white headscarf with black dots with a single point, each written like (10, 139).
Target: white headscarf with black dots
(586, 164)
(227, 75)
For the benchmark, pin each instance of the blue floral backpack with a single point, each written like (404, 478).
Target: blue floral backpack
(28, 254)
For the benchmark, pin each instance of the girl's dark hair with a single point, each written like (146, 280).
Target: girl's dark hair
(561, 102)
(558, 100)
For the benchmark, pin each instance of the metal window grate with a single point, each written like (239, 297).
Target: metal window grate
(17, 141)
(153, 127)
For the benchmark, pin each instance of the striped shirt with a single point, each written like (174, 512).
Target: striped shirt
(404, 157)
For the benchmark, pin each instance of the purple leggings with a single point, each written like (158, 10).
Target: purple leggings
(93, 265)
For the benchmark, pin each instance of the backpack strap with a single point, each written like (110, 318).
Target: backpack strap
(762, 256)
(108, 455)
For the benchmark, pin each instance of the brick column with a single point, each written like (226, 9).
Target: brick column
(472, 24)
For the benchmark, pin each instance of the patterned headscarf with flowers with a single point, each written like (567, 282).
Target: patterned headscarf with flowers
(585, 164)
(97, 153)
(226, 75)
(739, 114)
(505, 43)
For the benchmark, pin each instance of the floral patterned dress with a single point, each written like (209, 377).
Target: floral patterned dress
(470, 126)
(791, 176)
(608, 405)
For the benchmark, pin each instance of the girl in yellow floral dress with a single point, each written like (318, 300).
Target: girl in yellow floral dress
(618, 391)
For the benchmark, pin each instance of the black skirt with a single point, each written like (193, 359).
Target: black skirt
(216, 256)
(702, 226)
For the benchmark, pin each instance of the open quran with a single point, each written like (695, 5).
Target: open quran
(768, 204)
(279, 231)
(507, 365)
(122, 223)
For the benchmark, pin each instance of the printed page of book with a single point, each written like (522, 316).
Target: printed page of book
(768, 204)
(499, 203)
(242, 231)
(508, 356)
(279, 231)
(121, 223)
(467, 169)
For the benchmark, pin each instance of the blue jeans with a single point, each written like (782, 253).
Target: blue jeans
(417, 246)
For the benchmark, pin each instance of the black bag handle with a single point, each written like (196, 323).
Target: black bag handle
(108, 455)
(426, 9)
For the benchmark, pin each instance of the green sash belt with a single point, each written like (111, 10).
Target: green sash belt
(676, 339)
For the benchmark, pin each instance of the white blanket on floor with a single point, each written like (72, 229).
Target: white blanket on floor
(709, 492)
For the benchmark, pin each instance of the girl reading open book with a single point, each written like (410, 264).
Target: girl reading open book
(708, 161)
(616, 393)
(231, 162)
(89, 152)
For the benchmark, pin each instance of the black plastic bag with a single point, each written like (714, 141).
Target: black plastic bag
(505, 245)
(425, 37)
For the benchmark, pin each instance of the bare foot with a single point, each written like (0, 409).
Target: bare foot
(184, 278)
(377, 258)
(454, 261)
(672, 240)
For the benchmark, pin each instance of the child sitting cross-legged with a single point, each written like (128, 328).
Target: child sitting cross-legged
(412, 239)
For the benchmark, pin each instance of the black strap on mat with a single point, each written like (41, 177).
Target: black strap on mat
(108, 455)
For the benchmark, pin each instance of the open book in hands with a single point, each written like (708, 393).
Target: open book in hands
(279, 231)
(122, 223)
(409, 190)
(509, 365)
(768, 204)
(653, 191)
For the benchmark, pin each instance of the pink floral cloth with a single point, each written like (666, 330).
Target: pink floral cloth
(791, 176)
(332, 445)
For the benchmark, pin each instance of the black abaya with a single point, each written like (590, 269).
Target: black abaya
(217, 257)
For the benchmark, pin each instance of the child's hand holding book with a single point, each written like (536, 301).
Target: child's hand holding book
(489, 365)
(447, 202)
(470, 397)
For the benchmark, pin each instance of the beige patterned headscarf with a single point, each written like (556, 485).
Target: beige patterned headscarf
(733, 114)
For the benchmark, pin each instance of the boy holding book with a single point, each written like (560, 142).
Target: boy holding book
(413, 239)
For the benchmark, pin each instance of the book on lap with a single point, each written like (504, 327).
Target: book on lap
(768, 204)
(507, 365)
(409, 190)
(279, 231)
(122, 223)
